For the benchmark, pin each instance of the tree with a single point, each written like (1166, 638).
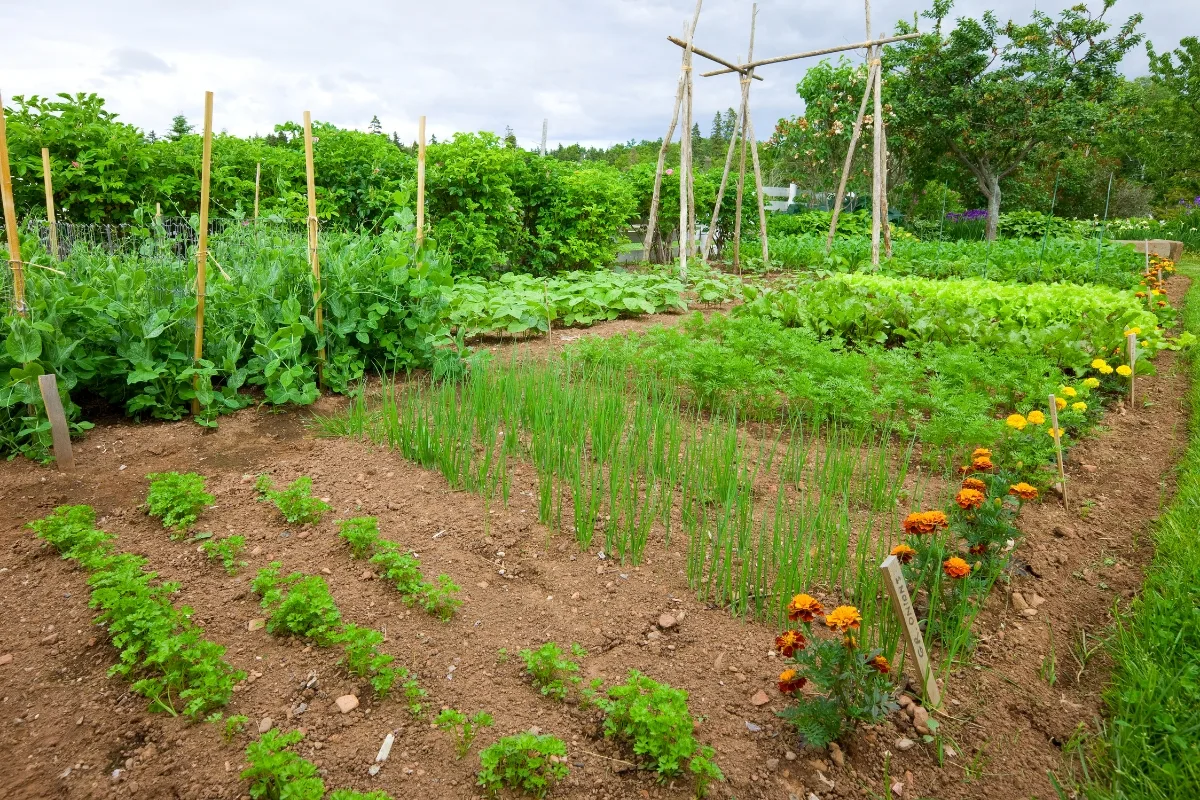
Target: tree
(179, 128)
(376, 126)
(988, 93)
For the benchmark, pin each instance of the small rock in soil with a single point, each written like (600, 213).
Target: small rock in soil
(921, 720)
(836, 755)
(898, 788)
(905, 744)
(789, 755)
(760, 698)
(667, 621)
(256, 624)
(7, 658)
(346, 703)
(386, 748)
(750, 726)
(49, 638)
(373, 770)
(1018, 602)
(265, 724)
(772, 764)
(482, 584)
(1029, 612)
(904, 700)
(1036, 600)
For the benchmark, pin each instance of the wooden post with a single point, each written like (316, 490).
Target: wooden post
(257, 181)
(1131, 349)
(202, 247)
(685, 162)
(59, 432)
(545, 129)
(854, 136)
(420, 181)
(902, 603)
(1062, 475)
(51, 218)
(313, 259)
(876, 177)
(10, 221)
(741, 185)
(883, 168)
(733, 139)
(158, 213)
(762, 209)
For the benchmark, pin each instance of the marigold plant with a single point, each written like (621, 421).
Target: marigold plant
(804, 608)
(1016, 421)
(956, 567)
(923, 522)
(1036, 417)
(903, 553)
(969, 499)
(1023, 490)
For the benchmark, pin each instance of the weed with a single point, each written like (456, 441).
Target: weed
(1047, 671)
(227, 550)
(551, 671)
(526, 763)
(275, 773)
(177, 499)
(463, 727)
(296, 502)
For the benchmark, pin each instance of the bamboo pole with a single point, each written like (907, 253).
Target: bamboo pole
(762, 209)
(652, 220)
(158, 213)
(854, 136)
(741, 184)
(257, 182)
(811, 53)
(51, 218)
(313, 258)
(1131, 351)
(685, 165)
(715, 59)
(883, 171)
(733, 139)
(1057, 433)
(421, 181)
(10, 221)
(876, 184)
(202, 247)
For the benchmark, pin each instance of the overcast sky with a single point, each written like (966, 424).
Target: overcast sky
(601, 71)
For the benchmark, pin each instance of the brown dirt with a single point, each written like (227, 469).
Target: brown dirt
(65, 727)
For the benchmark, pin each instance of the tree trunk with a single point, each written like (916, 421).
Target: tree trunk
(991, 190)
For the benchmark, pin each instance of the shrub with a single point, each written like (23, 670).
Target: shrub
(176, 499)
(526, 763)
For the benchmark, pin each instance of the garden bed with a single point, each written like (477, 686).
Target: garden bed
(67, 728)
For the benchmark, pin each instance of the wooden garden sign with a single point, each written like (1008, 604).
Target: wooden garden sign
(59, 432)
(902, 602)
(1057, 433)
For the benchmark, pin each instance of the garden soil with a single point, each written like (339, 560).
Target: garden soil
(69, 731)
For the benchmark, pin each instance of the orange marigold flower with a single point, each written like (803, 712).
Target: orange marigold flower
(789, 642)
(969, 498)
(805, 608)
(903, 553)
(790, 681)
(981, 452)
(974, 483)
(922, 522)
(880, 664)
(978, 549)
(982, 464)
(1023, 490)
(955, 567)
(843, 618)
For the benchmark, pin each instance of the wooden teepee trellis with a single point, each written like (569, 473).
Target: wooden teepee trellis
(872, 89)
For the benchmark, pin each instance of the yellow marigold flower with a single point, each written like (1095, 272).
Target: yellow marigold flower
(1092, 383)
(843, 618)
(969, 498)
(903, 553)
(1145, 343)
(1099, 364)
(1080, 407)
(1036, 417)
(1023, 490)
(1052, 431)
(1066, 391)
(1134, 330)
(973, 483)
(955, 567)
(1016, 421)
(1124, 371)
(1106, 370)
(804, 607)
(1060, 402)
(981, 452)
(982, 464)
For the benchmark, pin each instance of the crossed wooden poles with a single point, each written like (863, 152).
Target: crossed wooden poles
(744, 132)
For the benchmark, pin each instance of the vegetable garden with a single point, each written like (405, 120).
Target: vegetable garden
(430, 496)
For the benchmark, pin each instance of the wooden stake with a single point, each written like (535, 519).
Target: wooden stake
(685, 163)
(257, 182)
(421, 181)
(1062, 475)
(741, 184)
(902, 603)
(883, 173)
(545, 128)
(1131, 348)
(51, 218)
(314, 259)
(712, 227)
(858, 126)
(758, 181)
(202, 247)
(751, 64)
(59, 432)
(876, 177)
(10, 221)
(158, 213)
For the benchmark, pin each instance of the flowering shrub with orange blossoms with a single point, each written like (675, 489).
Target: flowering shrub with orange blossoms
(849, 686)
